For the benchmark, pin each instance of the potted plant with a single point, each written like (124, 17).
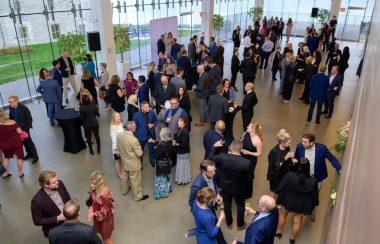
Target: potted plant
(122, 43)
(218, 22)
(255, 13)
(323, 15)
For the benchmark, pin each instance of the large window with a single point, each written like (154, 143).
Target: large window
(55, 31)
(23, 32)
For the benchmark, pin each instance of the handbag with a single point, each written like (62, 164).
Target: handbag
(89, 201)
(23, 135)
(101, 94)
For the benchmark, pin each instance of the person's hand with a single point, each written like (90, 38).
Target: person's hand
(60, 217)
(250, 210)
(219, 199)
(218, 144)
(90, 215)
(235, 241)
(150, 126)
(150, 140)
(168, 120)
(222, 216)
(193, 87)
(67, 69)
(243, 151)
(173, 143)
(335, 88)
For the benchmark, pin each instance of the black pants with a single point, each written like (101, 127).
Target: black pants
(233, 78)
(240, 202)
(88, 131)
(264, 58)
(274, 71)
(247, 118)
(219, 237)
(30, 148)
(288, 90)
(329, 103)
(306, 91)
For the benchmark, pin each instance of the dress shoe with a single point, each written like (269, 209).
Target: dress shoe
(278, 235)
(91, 151)
(35, 160)
(308, 121)
(98, 150)
(317, 123)
(67, 101)
(144, 198)
(21, 176)
(324, 112)
(7, 176)
(28, 156)
(240, 228)
(230, 226)
(291, 241)
(328, 117)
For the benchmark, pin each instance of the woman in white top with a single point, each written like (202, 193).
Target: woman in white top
(289, 28)
(116, 128)
(104, 82)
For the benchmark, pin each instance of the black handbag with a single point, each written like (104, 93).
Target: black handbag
(89, 201)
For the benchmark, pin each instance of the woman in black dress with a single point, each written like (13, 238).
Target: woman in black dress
(88, 113)
(297, 193)
(252, 148)
(229, 94)
(184, 103)
(289, 80)
(279, 161)
(309, 71)
(116, 95)
(90, 83)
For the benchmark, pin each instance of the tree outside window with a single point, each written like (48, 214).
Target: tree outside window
(55, 30)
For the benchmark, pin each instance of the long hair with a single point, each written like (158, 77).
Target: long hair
(303, 170)
(257, 129)
(41, 74)
(99, 180)
(86, 74)
(3, 116)
(113, 122)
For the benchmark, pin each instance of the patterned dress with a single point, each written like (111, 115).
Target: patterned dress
(163, 182)
(103, 206)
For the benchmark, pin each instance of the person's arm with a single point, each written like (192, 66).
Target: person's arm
(258, 152)
(137, 149)
(106, 208)
(333, 160)
(212, 229)
(120, 92)
(28, 118)
(39, 89)
(37, 215)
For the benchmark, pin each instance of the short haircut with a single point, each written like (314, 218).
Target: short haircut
(104, 65)
(166, 134)
(236, 145)
(309, 136)
(174, 98)
(205, 163)
(210, 61)
(144, 103)
(183, 119)
(45, 176)
(160, 67)
(71, 209)
(236, 49)
(336, 66)
(205, 195)
(142, 78)
(219, 89)
(50, 73)
(129, 125)
(55, 62)
(323, 68)
(14, 97)
(179, 70)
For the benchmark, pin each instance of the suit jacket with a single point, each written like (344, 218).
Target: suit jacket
(198, 183)
(192, 52)
(50, 90)
(248, 67)
(235, 64)
(88, 115)
(201, 89)
(174, 50)
(233, 173)
(141, 132)
(217, 108)
(318, 86)
(160, 46)
(249, 101)
(209, 139)
(57, 76)
(156, 80)
(25, 119)
(218, 56)
(45, 211)
(161, 95)
(276, 60)
(130, 151)
(214, 75)
(63, 67)
(74, 233)
(337, 82)
(185, 63)
(143, 93)
(321, 154)
(263, 230)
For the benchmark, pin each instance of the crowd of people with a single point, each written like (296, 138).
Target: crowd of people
(158, 109)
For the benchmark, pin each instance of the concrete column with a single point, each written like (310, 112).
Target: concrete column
(101, 19)
(207, 19)
(334, 9)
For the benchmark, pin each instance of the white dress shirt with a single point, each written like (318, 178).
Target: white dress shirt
(310, 155)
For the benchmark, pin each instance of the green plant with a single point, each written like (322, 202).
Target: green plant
(122, 41)
(76, 45)
(255, 13)
(323, 15)
(14, 50)
(342, 137)
(218, 21)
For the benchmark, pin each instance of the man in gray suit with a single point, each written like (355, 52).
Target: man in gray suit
(52, 95)
(217, 107)
(201, 93)
(72, 230)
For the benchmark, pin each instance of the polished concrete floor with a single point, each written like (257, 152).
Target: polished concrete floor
(166, 220)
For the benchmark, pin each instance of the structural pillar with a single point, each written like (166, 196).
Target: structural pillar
(101, 19)
(334, 9)
(207, 19)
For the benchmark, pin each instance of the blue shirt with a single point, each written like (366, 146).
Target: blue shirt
(267, 46)
(13, 114)
(205, 221)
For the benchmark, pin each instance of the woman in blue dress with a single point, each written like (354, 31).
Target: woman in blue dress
(89, 64)
(207, 226)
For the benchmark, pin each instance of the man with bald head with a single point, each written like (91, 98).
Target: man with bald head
(202, 93)
(213, 135)
(73, 231)
(164, 91)
(262, 228)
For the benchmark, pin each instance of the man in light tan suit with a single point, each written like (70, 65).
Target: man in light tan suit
(130, 153)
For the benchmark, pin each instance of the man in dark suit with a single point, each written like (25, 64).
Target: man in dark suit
(213, 135)
(215, 75)
(318, 88)
(21, 114)
(164, 91)
(68, 72)
(335, 83)
(51, 93)
(219, 55)
(72, 231)
(276, 61)
(174, 50)
(217, 107)
(248, 69)
(185, 63)
(192, 49)
(202, 93)
(157, 77)
(233, 179)
(49, 201)
(249, 101)
(206, 179)
(57, 75)
(262, 228)
(161, 44)
(235, 67)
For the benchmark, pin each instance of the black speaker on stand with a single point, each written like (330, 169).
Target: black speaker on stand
(93, 39)
(314, 12)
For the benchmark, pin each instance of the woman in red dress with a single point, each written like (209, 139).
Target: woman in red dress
(102, 206)
(10, 143)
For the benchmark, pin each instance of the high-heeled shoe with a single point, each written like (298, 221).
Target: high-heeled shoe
(7, 176)
(21, 176)
(278, 235)
(291, 241)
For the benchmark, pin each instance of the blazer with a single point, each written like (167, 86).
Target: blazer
(276, 60)
(174, 50)
(321, 154)
(185, 63)
(156, 80)
(50, 90)
(337, 82)
(209, 139)
(160, 46)
(161, 95)
(235, 64)
(183, 140)
(74, 232)
(45, 211)
(192, 52)
(88, 115)
(217, 108)
(318, 86)
(249, 101)
(63, 67)
(57, 76)
(263, 230)
(214, 75)
(143, 93)
(201, 89)
(198, 183)
(185, 104)
(233, 173)
(141, 132)
(218, 56)
(248, 67)
(25, 119)
(130, 151)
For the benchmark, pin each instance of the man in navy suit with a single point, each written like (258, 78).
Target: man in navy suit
(52, 95)
(174, 50)
(48, 203)
(213, 135)
(146, 122)
(318, 88)
(206, 179)
(57, 74)
(336, 82)
(264, 223)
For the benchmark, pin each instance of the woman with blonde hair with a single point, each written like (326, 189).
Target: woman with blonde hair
(279, 161)
(252, 141)
(116, 127)
(90, 83)
(150, 74)
(102, 206)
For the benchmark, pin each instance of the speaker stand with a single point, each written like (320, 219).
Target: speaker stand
(96, 63)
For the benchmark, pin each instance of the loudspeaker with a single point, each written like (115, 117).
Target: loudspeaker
(314, 12)
(93, 39)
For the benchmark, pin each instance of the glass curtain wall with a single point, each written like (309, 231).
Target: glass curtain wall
(29, 31)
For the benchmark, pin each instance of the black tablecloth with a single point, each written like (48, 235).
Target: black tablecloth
(71, 127)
